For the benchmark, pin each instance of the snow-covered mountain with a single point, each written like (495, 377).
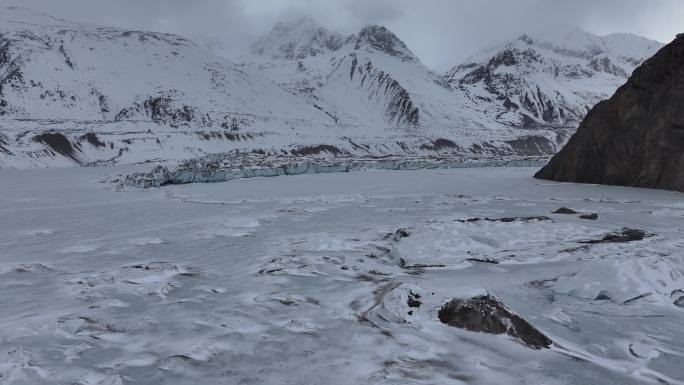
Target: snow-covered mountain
(372, 81)
(80, 93)
(298, 40)
(551, 78)
(524, 96)
(356, 79)
(59, 70)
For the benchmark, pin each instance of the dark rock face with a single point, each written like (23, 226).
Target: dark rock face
(532, 145)
(505, 219)
(486, 314)
(591, 217)
(623, 236)
(414, 300)
(399, 107)
(384, 40)
(161, 109)
(636, 138)
(93, 139)
(3, 143)
(678, 298)
(565, 210)
(439, 145)
(399, 234)
(317, 150)
(10, 74)
(58, 143)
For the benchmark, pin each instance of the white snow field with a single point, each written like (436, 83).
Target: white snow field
(306, 280)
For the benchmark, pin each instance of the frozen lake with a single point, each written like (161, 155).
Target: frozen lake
(305, 280)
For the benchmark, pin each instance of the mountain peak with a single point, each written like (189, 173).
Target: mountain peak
(297, 39)
(383, 40)
(533, 80)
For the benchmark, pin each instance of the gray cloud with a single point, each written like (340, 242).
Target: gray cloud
(441, 32)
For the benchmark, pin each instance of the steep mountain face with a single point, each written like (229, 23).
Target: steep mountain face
(59, 70)
(383, 40)
(340, 74)
(637, 137)
(548, 80)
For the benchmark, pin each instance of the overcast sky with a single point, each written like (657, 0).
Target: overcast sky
(440, 32)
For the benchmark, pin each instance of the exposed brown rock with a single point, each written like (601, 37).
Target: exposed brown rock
(565, 210)
(57, 142)
(486, 314)
(316, 150)
(623, 236)
(591, 217)
(636, 138)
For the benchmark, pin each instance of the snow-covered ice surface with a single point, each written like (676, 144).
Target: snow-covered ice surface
(306, 280)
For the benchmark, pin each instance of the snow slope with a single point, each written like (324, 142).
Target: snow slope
(141, 86)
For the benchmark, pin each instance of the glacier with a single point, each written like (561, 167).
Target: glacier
(225, 167)
(334, 278)
(379, 224)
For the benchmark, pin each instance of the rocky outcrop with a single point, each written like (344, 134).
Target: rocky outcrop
(10, 74)
(383, 40)
(400, 109)
(486, 314)
(636, 138)
(58, 143)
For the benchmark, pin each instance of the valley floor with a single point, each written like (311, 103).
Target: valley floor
(307, 280)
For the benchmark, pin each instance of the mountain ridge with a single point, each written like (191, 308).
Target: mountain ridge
(125, 96)
(548, 80)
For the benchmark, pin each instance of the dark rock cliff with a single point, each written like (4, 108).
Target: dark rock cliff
(636, 138)
(399, 107)
(383, 40)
